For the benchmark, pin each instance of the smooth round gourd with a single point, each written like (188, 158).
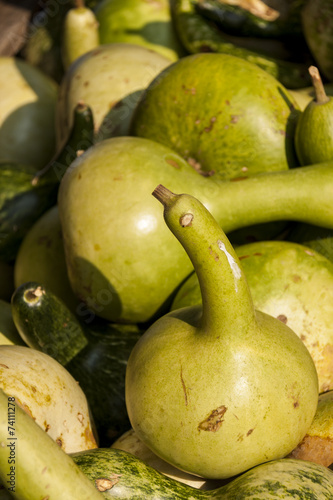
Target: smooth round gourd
(293, 283)
(147, 24)
(109, 79)
(224, 115)
(27, 112)
(41, 258)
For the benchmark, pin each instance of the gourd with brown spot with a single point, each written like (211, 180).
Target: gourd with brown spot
(234, 125)
(219, 389)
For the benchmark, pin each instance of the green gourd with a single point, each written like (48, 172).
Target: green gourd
(314, 129)
(254, 18)
(234, 125)
(25, 194)
(146, 24)
(121, 260)
(80, 33)
(39, 467)
(94, 353)
(118, 474)
(219, 389)
(199, 35)
(292, 283)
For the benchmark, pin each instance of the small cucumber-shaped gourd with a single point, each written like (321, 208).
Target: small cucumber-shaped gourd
(32, 465)
(211, 390)
(317, 444)
(198, 35)
(94, 354)
(252, 18)
(80, 33)
(49, 394)
(25, 195)
(314, 129)
(118, 474)
(46, 324)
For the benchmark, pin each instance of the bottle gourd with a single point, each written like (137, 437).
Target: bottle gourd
(222, 388)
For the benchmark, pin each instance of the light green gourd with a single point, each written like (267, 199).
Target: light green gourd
(314, 129)
(80, 33)
(217, 390)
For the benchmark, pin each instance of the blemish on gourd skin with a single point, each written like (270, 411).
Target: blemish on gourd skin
(184, 386)
(283, 318)
(214, 421)
(105, 483)
(173, 163)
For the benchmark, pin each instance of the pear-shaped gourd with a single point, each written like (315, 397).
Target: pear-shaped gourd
(109, 79)
(218, 390)
(27, 112)
(317, 444)
(32, 465)
(80, 33)
(121, 262)
(293, 283)
(49, 394)
(314, 130)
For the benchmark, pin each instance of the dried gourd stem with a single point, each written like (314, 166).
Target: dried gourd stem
(320, 94)
(79, 4)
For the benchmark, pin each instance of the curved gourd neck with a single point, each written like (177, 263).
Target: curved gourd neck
(302, 194)
(226, 299)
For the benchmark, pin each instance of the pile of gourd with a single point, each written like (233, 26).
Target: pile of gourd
(166, 252)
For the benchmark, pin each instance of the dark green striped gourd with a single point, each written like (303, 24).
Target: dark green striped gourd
(118, 474)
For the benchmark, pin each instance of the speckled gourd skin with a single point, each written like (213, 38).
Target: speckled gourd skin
(49, 394)
(110, 80)
(221, 113)
(219, 391)
(129, 478)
